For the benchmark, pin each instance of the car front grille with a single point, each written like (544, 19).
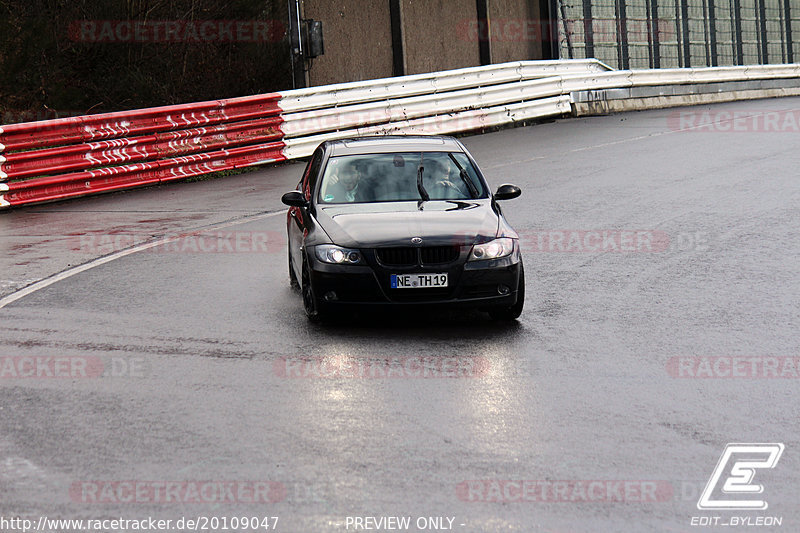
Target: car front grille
(426, 255)
(397, 256)
(432, 255)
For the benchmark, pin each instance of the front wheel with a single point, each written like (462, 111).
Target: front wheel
(310, 301)
(292, 277)
(512, 312)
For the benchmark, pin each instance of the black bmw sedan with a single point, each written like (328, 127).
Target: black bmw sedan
(401, 221)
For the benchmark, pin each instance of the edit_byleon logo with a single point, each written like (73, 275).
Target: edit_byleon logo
(731, 484)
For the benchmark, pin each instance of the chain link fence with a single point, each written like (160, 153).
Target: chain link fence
(680, 33)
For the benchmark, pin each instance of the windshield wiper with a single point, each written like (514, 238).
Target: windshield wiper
(473, 192)
(421, 188)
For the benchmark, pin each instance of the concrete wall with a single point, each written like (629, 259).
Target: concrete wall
(436, 35)
(515, 30)
(433, 35)
(358, 40)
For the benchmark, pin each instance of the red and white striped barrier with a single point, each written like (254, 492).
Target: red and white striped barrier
(70, 157)
(64, 158)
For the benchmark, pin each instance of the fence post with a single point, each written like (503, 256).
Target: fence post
(656, 29)
(787, 10)
(762, 26)
(622, 35)
(736, 14)
(588, 28)
(687, 50)
(712, 32)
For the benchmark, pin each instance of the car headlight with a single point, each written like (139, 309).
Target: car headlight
(330, 253)
(492, 250)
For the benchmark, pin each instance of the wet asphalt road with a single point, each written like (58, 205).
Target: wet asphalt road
(212, 375)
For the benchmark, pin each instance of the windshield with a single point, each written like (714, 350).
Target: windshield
(398, 177)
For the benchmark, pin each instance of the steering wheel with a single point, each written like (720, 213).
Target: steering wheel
(447, 185)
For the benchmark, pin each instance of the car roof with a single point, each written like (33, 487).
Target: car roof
(393, 143)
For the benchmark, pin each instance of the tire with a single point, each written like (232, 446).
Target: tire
(292, 277)
(508, 314)
(310, 300)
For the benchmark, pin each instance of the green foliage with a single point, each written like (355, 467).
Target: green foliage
(49, 68)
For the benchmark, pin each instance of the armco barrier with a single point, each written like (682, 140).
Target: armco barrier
(65, 158)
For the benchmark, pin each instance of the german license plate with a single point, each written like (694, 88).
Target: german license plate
(418, 281)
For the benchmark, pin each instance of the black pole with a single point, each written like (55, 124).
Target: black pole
(656, 36)
(712, 30)
(649, 19)
(567, 36)
(787, 16)
(737, 31)
(484, 45)
(762, 23)
(588, 28)
(296, 54)
(678, 33)
(535, 46)
(706, 37)
(398, 53)
(687, 50)
(548, 14)
(622, 35)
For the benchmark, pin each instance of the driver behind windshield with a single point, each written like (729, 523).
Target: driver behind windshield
(345, 188)
(442, 181)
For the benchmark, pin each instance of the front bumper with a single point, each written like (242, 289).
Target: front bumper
(471, 284)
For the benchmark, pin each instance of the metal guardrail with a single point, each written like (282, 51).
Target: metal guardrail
(76, 156)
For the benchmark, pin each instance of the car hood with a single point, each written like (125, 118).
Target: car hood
(395, 223)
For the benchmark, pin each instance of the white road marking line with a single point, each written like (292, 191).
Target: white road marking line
(669, 132)
(515, 162)
(46, 282)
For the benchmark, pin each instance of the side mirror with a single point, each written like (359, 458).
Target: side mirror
(294, 199)
(507, 192)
